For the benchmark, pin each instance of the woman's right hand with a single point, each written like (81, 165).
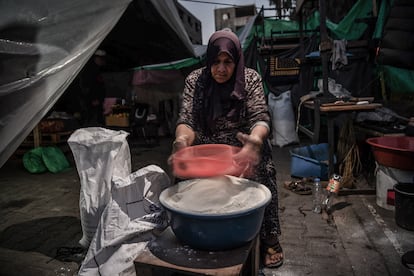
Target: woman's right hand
(249, 155)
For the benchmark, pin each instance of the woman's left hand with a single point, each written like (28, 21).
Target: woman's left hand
(249, 155)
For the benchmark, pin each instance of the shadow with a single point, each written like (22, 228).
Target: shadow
(46, 236)
(407, 259)
(166, 247)
(18, 203)
(339, 206)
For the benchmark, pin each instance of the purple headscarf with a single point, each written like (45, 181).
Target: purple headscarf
(228, 42)
(226, 98)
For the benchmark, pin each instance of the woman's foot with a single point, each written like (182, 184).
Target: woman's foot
(272, 255)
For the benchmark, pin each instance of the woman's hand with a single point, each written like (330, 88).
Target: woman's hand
(179, 143)
(249, 155)
(185, 136)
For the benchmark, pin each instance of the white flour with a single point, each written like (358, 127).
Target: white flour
(218, 195)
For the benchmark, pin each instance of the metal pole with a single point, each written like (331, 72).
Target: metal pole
(324, 46)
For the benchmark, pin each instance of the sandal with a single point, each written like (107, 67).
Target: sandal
(269, 254)
(298, 187)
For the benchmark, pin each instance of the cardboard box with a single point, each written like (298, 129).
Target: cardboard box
(119, 120)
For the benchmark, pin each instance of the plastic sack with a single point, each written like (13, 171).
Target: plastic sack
(33, 162)
(127, 222)
(283, 120)
(100, 154)
(54, 159)
(42, 159)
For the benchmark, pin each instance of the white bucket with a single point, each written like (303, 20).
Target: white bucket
(386, 178)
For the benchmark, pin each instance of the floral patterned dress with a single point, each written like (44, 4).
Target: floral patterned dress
(255, 109)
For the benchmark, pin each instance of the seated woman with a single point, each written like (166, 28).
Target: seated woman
(224, 103)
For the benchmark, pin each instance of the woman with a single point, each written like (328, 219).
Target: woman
(224, 103)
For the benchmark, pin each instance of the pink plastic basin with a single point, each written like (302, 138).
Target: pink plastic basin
(205, 161)
(394, 151)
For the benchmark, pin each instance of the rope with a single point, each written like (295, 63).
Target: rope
(348, 150)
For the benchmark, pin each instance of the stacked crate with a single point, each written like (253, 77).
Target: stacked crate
(45, 138)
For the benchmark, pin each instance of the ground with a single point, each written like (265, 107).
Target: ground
(40, 218)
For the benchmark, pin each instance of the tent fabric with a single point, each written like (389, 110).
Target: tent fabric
(44, 44)
(177, 64)
(149, 32)
(398, 80)
(396, 57)
(144, 77)
(40, 56)
(349, 28)
(397, 43)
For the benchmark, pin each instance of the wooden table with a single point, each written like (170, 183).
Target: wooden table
(166, 253)
(331, 110)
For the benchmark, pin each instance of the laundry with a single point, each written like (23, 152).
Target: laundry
(339, 57)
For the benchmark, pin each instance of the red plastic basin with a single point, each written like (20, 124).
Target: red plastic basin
(207, 160)
(394, 151)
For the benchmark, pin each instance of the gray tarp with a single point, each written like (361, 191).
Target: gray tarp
(45, 43)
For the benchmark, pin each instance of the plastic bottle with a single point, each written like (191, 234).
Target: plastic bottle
(332, 191)
(317, 196)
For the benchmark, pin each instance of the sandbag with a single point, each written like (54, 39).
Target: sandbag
(43, 159)
(54, 159)
(33, 162)
(127, 223)
(100, 154)
(283, 120)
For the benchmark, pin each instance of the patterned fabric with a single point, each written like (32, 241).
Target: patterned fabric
(255, 109)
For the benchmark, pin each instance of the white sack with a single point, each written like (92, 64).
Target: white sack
(127, 222)
(283, 120)
(99, 154)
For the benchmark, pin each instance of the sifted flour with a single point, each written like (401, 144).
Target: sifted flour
(219, 195)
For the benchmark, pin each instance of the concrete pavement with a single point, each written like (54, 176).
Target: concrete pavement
(40, 214)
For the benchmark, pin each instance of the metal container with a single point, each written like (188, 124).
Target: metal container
(215, 232)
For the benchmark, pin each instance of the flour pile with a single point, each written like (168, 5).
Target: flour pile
(219, 195)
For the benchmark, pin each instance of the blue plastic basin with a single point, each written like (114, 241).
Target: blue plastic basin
(215, 232)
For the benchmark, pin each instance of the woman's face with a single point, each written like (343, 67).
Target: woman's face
(222, 68)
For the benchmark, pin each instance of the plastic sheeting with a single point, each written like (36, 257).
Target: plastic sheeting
(44, 44)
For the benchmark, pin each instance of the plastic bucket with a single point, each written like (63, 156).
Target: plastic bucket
(404, 205)
(386, 178)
